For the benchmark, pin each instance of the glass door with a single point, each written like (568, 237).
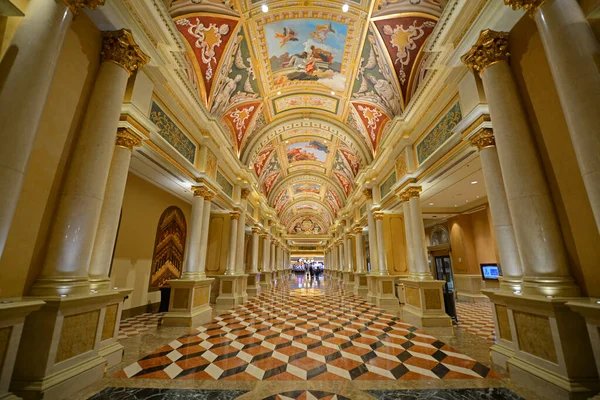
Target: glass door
(443, 271)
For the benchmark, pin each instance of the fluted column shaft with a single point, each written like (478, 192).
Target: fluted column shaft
(233, 235)
(71, 238)
(273, 262)
(505, 236)
(240, 242)
(254, 264)
(348, 248)
(26, 73)
(266, 253)
(360, 256)
(201, 271)
(192, 243)
(572, 51)
(380, 245)
(537, 231)
(420, 265)
(342, 257)
(372, 231)
(408, 232)
(106, 236)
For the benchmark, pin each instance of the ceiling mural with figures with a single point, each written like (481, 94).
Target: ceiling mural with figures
(306, 91)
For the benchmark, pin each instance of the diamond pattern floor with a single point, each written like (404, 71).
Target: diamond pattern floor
(139, 324)
(295, 335)
(476, 318)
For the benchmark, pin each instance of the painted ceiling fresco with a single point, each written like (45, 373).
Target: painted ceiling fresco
(306, 90)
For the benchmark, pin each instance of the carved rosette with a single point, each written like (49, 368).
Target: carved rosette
(531, 6)
(127, 139)
(120, 48)
(484, 139)
(245, 193)
(491, 48)
(201, 191)
(368, 194)
(76, 6)
(234, 215)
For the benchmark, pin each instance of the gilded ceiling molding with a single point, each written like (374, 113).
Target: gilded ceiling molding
(76, 6)
(120, 48)
(490, 48)
(531, 6)
(484, 139)
(127, 139)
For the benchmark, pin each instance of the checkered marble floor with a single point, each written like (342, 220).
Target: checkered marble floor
(300, 334)
(139, 324)
(306, 395)
(476, 318)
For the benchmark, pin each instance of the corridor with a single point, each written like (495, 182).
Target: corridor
(305, 335)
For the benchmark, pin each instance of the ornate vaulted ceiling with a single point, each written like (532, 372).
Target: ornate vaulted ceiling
(306, 89)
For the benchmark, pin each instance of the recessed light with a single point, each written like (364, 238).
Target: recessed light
(332, 93)
(477, 196)
(430, 204)
(278, 93)
(265, 8)
(473, 182)
(345, 7)
(467, 201)
(456, 205)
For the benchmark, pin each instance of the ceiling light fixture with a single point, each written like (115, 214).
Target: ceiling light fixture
(430, 204)
(456, 205)
(265, 8)
(332, 93)
(345, 7)
(473, 182)
(278, 93)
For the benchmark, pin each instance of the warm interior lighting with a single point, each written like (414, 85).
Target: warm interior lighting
(473, 182)
(345, 7)
(265, 8)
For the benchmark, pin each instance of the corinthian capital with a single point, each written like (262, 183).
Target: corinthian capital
(491, 47)
(201, 191)
(76, 6)
(414, 191)
(531, 6)
(368, 194)
(127, 139)
(483, 139)
(120, 48)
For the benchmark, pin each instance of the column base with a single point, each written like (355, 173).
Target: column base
(348, 283)
(504, 348)
(254, 286)
(12, 319)
(553, 352)
(424, 300)
(266, 280)
(590, 310)
(230, 291)
(110, 348)
(59, 352)
(361, 287)
(469, 287)
(381, 292)
(112, 353)
(190, 302)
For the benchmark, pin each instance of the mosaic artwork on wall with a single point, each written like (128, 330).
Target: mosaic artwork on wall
(169, 131)
(226, 186)
(169, 247)
(307, 151)
(401, 167)
(441, 132)
(307, 49)
(208, 37)
(305, 100)
(306, 188)
(386, 186)
(211, 164)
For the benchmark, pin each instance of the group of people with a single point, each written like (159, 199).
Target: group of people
(312, 271)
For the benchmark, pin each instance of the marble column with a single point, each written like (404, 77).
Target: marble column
(341, 254)
(360, 257)
(373, 257)
(348, 248)
(26, 74)
(420, 268)
(233, 235)
(71, 238)
(254, 263)
(106, 236)
(191, 261)
(208, 197)
(381, 259)
(273, 261)
(510, 260)
(239, 254)
(408, 229)
(572, 50)
(266, 253)
(537, 231)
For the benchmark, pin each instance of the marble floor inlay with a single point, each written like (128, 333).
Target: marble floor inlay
(476, 318)
(446, 394)
(139, 324)
(306, 395)
(116, 393)
(280, 336)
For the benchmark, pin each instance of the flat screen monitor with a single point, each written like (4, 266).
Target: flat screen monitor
(490, 272)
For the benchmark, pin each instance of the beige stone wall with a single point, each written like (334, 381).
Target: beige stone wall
(67, 100)
(143, 205)
(534, 79)
(395, 244)
(218, 244)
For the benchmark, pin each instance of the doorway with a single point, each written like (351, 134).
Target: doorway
(443, 272)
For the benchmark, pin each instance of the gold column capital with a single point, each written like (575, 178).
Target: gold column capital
(127, 139)
(368, 194)
(531, 6)
(245, 193)
(378, 215)
(490, 48)
(76, 6)
(357, 230)
(120, 48)
(484, 139)
(256, 230)
(409, 193)
(234, 215)
(201, 191)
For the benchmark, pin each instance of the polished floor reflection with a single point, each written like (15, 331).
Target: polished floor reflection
(305, 339)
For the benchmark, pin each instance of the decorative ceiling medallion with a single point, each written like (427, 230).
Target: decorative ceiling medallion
(207, 35)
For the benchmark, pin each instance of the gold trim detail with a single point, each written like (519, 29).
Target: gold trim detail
(76, 6)
(127, 140)
(234, 215)
(378, 216)
(491, 47)
(120, 48)
(256, 230)
(409, 193)
(531, 6)
(368, 194)
(484, 139)
(357, 230)
(201, 191)
(245, 193)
